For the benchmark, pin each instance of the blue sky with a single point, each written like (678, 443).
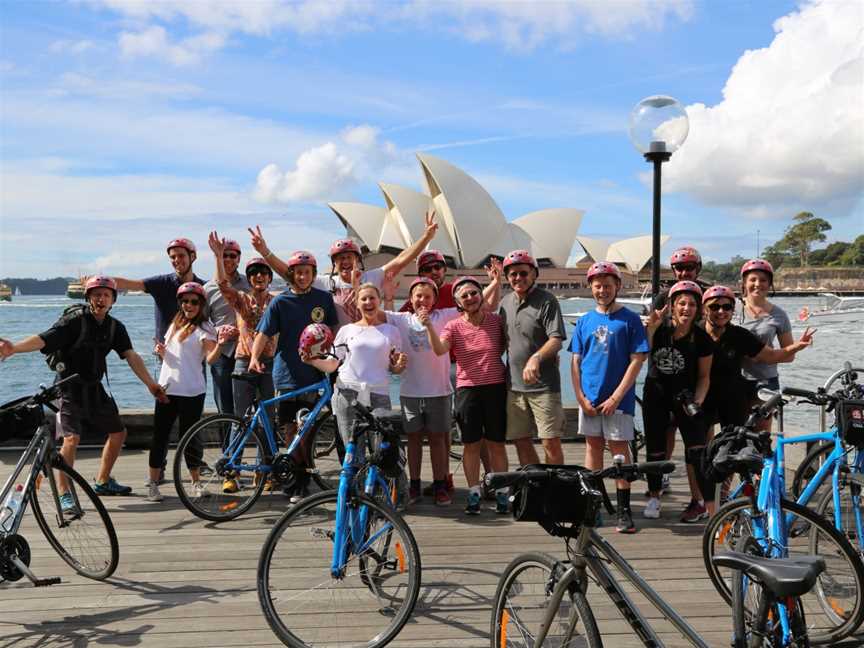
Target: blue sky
(125, 124)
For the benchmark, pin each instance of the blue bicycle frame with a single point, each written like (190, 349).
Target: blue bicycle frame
(236, 444)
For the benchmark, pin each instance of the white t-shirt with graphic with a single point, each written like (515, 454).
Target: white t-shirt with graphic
(183, 365)
(427, 374)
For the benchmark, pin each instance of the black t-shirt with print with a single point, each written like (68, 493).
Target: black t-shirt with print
(735, 343)
(675, 363)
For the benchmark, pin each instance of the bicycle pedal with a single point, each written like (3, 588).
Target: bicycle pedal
(45, 582)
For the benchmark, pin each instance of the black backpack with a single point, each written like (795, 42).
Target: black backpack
(57, 360)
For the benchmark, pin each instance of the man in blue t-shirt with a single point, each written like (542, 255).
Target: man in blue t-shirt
(608, 347)
(287, 316)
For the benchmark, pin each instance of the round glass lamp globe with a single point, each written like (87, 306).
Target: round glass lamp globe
(658, 124)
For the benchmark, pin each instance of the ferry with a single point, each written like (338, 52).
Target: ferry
(75, 290)
(5, 293)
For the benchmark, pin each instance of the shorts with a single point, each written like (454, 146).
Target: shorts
(617, 427)
(530, 411)
(432, 414)
(343, 408)
(92, 409)
(288, 408)
(481, 412)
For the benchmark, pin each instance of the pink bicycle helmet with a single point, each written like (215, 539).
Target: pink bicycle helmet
(520, 256)
(184, 243)
(757, 264)
(461, 281)
(429, 256)
(315, 340)
(685, 287)
(259, 262)
(685, 254)
(603, 268)
(422, 281)
(193, 288)
(344, 245)
(231, 244)
(100, 281)
(718, 292)
(301, 257)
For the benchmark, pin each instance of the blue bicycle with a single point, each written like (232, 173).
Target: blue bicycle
(225, 462)
(762, 522)
(341, 568)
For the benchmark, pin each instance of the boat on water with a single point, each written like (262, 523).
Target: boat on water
(5, 293)
(639, 304)
(18, 292)
(75, 290)
(836, 308)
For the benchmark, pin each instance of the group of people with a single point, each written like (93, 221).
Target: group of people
(702, 368)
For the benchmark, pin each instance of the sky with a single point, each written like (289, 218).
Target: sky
(124, 124)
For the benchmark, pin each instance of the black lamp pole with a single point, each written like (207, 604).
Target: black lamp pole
(657, 158)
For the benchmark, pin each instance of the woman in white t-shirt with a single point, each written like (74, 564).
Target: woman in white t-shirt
(189, 342)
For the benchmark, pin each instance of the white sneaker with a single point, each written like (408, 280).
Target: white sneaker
(652, 509)
(198, 490)
(153, 494)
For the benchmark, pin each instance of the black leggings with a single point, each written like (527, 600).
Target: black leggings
(658, 405)
(189, 410)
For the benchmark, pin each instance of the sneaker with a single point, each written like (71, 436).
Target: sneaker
(652, 509)
(230, 485)
(502, 503)
(428, 491)
(268, 485)
(68, 505)
(298, 495)
(665, 486)
(442, 497)
(625, 521)
(153, 494)
(450, 487)
(473, 505)
(199, 490)
(205, 470)
(414, 494)
(694, 512)
(111, 487)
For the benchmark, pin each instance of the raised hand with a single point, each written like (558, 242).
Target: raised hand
(806, 338)
(431, 224)
(494, 269)
(655, 317)
(258, 241)
(216, 244)
(226, 332)
(389, 286)
(159, 348)
(6, 349)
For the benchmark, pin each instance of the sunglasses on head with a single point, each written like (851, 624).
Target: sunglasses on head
(518, 273)
(684, 267)
(433, 266)
(724, 306)
(194, 302)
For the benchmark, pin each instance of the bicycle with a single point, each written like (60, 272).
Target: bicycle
(245, 450)
(81, 531)
(781, 528)
(541, 601)
(344, 554)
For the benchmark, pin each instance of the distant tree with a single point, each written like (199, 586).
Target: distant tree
(799, 238)
(829, 256)
(723, 273)
(854, 254)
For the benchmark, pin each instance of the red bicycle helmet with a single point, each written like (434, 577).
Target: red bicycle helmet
(301, 257)
(184, 243)
(461, 281)
(685, 287)
(344, 245)
(429, 256)
(757, 264)
(315, 340)
(100, 281)
(422, 281)
(257, 261)
(718, 292)
(231, 244)
(193, 288)
(685, 254)
(520, 256)
(603, 268)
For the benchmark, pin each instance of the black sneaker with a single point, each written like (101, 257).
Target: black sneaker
(625, 521)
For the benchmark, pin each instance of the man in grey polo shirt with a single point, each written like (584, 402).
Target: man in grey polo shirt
(535, 333)
(221, 314)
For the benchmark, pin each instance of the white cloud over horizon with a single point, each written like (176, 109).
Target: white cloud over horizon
(789, 130)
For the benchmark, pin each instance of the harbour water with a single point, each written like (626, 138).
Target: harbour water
(835, 342)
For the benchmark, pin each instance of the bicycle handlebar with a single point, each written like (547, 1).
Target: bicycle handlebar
(819, 397)
(629, 472)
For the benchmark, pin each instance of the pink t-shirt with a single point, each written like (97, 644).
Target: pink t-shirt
(478, 350)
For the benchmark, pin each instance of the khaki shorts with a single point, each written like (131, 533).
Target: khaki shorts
(530, 411)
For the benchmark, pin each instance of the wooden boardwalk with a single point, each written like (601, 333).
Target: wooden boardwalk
(184, 582)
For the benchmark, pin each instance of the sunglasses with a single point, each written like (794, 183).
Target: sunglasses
(518, 273)
(468, 293)
(194, 302)
(716, 307)
(257, 271)
(432, 267)
(230, 255)
(684, 267)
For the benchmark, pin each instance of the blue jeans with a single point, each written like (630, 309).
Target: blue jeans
(223, 392)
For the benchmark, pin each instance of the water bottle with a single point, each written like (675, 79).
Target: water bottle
(11, 507)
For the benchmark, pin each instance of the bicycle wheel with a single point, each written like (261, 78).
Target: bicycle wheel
(638, 442)
(808, 468)
(201, 450)
(306, 606)
(835, 606)
(325, 452)
(86, 538)
(522, 599)
(850, 506)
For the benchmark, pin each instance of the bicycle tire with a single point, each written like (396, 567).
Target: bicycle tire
(808, 467)
(835, 606)
(294, 567)
(85, 540)
(327, 437)
(326, 466)
(215, 504)
(528, 577)
(825, 508)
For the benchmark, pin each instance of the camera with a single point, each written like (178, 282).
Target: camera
(684, 398)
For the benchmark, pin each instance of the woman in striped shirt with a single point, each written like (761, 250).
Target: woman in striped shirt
(477, 342)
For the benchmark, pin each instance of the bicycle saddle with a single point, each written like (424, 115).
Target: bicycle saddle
(248, 376)
(782, 576)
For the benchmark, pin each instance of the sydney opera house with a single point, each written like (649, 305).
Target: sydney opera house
(472, 228)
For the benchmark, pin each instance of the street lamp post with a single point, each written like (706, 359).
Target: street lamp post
(658, 127)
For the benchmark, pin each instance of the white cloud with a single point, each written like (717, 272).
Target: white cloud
(154, 41)
(788, 132)
(72, 46)
(325, 171)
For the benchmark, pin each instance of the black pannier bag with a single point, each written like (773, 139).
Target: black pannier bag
(391, 461)
(850, 421)
(19, 423)
(560, 499)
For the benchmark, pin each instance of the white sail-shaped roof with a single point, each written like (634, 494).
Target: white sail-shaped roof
(597, 249)
(472, 218)
(364, 219)
(633, 252)
(553, 232)
(407, 208)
